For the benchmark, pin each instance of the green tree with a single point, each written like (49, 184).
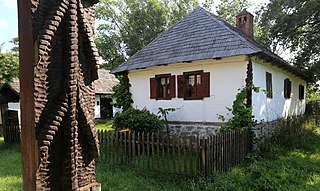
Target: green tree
(229, 9)
(9, 66)
(9, 63)
(294, 25)
(15, 42)
(127, 26)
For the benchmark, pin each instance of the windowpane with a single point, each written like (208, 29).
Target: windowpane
(193, 86)
(287, 88)
(163, 87)
(198, 79)
(301, 92)
(269, 84)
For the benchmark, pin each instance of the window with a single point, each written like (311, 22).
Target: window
(269, 85)
(162, 87)
(287, 89)
(194, 85)
(301, 92)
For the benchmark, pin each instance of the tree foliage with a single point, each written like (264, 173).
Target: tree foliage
(9, 63)
(15, 42)
(138, 120)
(9, 66)
(127, 26)
(229, 9)
(294, 25)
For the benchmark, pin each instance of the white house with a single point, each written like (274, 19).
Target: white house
(103, 90)
(9, 98)
(199, 64)
(103, 107)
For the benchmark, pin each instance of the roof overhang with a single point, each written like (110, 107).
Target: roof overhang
(280, 63)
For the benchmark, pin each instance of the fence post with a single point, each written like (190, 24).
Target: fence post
(5, 134)
(203, 161)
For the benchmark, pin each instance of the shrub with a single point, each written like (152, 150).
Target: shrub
(137, 120)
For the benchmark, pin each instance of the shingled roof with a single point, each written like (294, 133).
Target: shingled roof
(105, 82)
(198, 36)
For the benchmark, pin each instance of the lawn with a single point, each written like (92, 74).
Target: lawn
(279, 168)
(10, 167)
(104, 125)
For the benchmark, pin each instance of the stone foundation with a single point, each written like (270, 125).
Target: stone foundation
(265, 130)
(193, 129)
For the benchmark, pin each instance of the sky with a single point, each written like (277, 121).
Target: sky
(9, 20)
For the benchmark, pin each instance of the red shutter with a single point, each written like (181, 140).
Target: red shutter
(173, 86)
(181, 86)
(285, 90)
(289, 89)
(205, 78)
(301, 92)
(153, 90)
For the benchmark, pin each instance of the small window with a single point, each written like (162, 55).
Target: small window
(301, 92)
(98, 103)
(269, 85)
(287, 89)
(162, 87)
(194, 85)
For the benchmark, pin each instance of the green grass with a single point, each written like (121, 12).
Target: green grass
(114, 178)
(278, 168)
(10, 167)
(104, 125)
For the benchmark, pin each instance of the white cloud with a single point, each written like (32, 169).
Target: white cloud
(10, 3)
(3, 24)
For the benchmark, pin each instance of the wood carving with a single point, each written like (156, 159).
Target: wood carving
(64, 97)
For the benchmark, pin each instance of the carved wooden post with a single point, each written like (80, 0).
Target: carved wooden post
(29, 147)
(58, 61)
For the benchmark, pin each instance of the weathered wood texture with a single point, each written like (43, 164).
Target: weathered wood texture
(29, 151)
(11, 134)
(61, 96)
(189, 157)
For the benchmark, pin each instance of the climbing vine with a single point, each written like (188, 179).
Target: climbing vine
(122, 92)
(242, 115)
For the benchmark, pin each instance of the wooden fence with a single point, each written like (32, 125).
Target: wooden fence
(11, 134)
(171, 154)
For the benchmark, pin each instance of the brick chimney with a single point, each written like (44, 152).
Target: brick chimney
(244, 22)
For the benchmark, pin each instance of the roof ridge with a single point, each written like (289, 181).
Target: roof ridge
(232, 29)
(159, 36)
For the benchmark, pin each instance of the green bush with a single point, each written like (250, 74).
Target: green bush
(138, 121)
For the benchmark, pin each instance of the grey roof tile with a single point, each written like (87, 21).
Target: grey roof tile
(105, 82)
(200, 35)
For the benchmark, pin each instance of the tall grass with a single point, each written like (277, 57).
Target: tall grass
(104, 125)
(283, 166)
(10, 167)
(290, 162)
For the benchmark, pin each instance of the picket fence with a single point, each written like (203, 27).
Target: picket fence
(11, 134)
(188, 156)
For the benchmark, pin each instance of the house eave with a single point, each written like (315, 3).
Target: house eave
(280, 63)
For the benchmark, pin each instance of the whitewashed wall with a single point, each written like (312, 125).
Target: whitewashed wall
(226, 77)
(97, 100)
(16, 107)
(269, 109)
